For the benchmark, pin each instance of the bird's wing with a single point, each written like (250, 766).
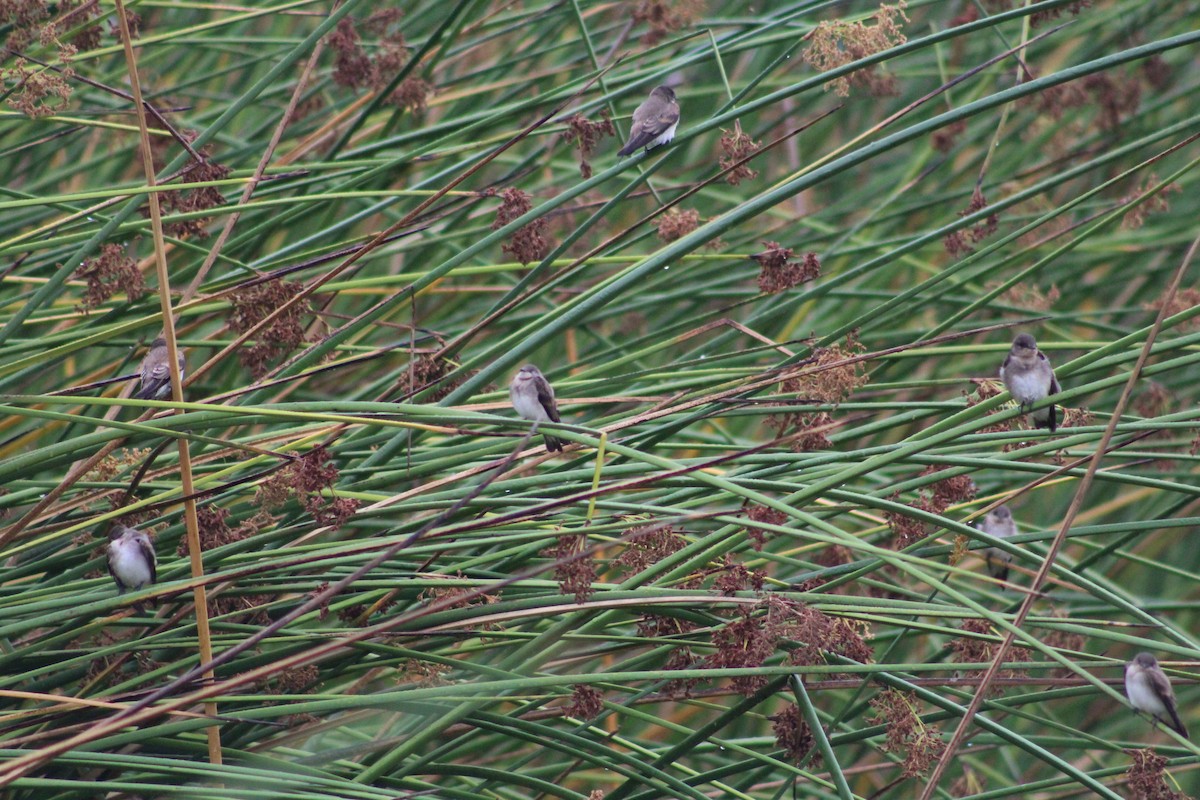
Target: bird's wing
(545, 396)
(1162, 688)
(1004, 366)
(154, 373)
(148, 553)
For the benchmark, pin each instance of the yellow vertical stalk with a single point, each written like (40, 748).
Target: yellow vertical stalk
(200, 596)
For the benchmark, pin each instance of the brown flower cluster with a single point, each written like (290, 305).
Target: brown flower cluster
(828, 377)
(1135, 217)
(1157, 72)
(427, 370)
(906, 529)
(586, 135)
(985, 390)
(736, 146)
(743, 642)
(23, 14)
(351, 65)
(792, 734)
(38, 91)
(354, 68)
(950, 490)
(734, 577)
(750, 639)
(934, 498)
(654, 626)
(424, 673)
(236, 609)
(574, 567)
(113, 464)
(1153, 400)
(922, 744)
(296, 680)
(529, 242)
(1027, 295)
(675, 223)
(586, 702)
(831, 375)
(1076, 418)
(253, 304)
(195, 201)
(665, 17)
(837, 43)
(779, 273)
(1147, 777)
(646, 545)
(767, 516)
(111, 272)
(456, 597)
(412, 94)
(816, 632)
(972, 649)
(944, 139)
(1117, 98)
(958, 243)
(1063, 640)
(72, 14)
(215, 531)
(307, 478)
(1042, 17)
(1183, 300)
(1115, 95)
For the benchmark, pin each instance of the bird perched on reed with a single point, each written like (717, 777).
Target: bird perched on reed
(1028, 376)
(1148, 690)
(533, 398)
(132, 562)
(654, 121)
(156, 371)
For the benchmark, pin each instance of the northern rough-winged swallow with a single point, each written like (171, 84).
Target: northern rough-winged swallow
(131, 559)
(1148, 690)
(654, 121)
(1028, 376)
(156, 372)
(533, 398)
(999, 523)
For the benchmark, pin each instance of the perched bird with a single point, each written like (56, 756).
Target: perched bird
(533, 398)
(156, 372)
(1028, 376)
(999, 523)
(1148, 690)
(131, 559)
(654, 121)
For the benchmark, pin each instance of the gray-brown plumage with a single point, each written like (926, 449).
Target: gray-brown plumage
(533, 398)
(999, 523)
(1149, 690)
(156, 371)
(1028, 376)
(654, 121)
(132, 562)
